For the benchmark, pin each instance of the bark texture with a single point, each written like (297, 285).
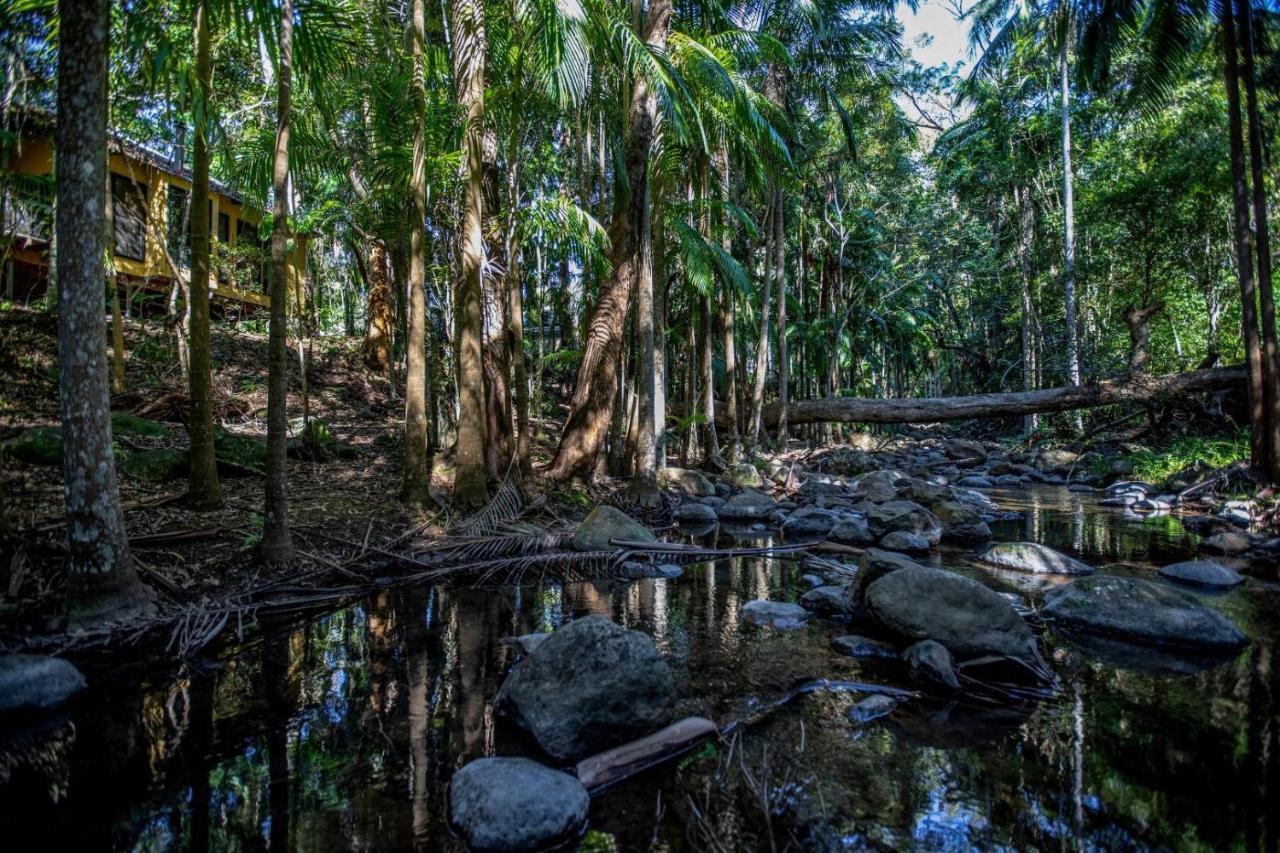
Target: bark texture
(414, 491)
(99, 563)
(588, 419)
(277, 543)
(470, 485)
(377, 338)
(203, 488)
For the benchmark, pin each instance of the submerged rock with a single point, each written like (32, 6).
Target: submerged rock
(872, 708)
(1141, 611)
(748, 505)
(774, 614)
(1034, 558)
(590, 686)
(918, 603)
(932, 667)
(36, 682)
(1203, 573)
(501, 804)
(605, 523)
(864, 648)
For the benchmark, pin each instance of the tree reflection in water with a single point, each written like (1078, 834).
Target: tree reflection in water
(343, 731)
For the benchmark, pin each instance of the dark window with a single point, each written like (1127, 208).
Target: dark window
(179, 237)
(224, 228)
(129, 217)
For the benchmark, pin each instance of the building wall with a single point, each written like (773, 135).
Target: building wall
(35, 157)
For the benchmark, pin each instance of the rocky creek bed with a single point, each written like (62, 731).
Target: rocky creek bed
(1054, 730)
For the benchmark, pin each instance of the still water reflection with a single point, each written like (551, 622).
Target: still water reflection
(342, 732)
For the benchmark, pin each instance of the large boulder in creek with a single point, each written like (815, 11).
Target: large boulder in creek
(501, 804)
(905, 515)
(590, 686)
(696, 513)
(692, 482)
(744, 474)
(1142, 612)
(809, 521)
(32, 683)
(1034, 558)
(972, 621)
(961, 522)
(875, 564)
(605, 523)
(748, 505)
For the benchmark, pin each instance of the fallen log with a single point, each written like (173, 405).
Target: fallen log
(1138, 388)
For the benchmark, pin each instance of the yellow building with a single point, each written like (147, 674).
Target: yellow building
(148, 203)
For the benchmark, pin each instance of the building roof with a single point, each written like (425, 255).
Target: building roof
(34, 119)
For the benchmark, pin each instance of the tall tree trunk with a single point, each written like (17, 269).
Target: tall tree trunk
(520, 375)
(728, 319)
(1262, 234)
(780, 274)
(1026, 226)
(1258, 444)
(644, 484)
(497, 356)
(415, 490)
(203, 489)
(1068, 228)
(706, 358)
(381, 321)
(658, 258)
(588, 419)
(277, 544)
(470, 484)
(762, 342)
(99, 565)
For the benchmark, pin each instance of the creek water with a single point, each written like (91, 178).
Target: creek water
(341, 732)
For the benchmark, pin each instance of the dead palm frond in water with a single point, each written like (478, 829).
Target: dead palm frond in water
(566, 566)
(485, 548)
(506, 506)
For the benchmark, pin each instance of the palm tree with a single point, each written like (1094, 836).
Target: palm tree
(999, 23)
(99, 564)
(470, 483)
(417, 462)
(277, 543)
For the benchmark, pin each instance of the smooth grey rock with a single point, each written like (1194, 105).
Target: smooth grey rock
(1203, 573)
(1228, 544)
(1143, 612)
(872, 708)
(918, 603)
(829, 600)
(813, 581)
(865, 648)
(693, 482)
(36, 682)
(875, 564)
(961, 522)
(851, 529)
(932, 666)
(697, 513)
(748, 505)
(901, 540)
(505, 804)
(605, 523)
(773, 614)
(809, 521)
(1035, 558)
(905, 515)
(591, 686)
(923, 492)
